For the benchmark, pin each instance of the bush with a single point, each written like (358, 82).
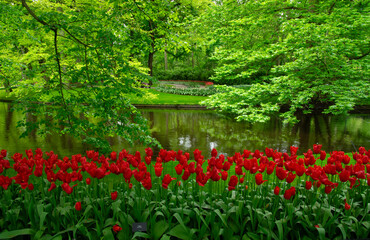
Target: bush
(184, 74)
(189, 91)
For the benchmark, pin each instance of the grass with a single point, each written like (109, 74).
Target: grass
(5, 96)
(150, 96)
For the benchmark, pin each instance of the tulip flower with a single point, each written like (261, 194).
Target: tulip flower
(167, 180)
(277, 190)
(116, 228)
(78, 206)
(114, 195)
(308, 185)
(317, 148)
(289, 193)
(259, 179)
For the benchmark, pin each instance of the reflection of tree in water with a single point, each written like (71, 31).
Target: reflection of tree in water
(188, 130)
(8, 121)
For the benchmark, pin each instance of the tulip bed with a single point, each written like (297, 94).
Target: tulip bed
(251, 195)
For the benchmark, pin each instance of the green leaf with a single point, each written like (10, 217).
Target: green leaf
(321, 232)
(165, 237)
(141, 235)
(180, 232)
(16, 233)
(341, 228)
(280, 229)
(253, 236)
(221, 216)
(159, 229)
(108, 234)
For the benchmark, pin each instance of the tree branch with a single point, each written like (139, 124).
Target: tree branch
(76, 39)
(60, 75)
(24, 4)
(332, 7)
(359, 57)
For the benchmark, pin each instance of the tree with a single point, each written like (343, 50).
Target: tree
(78, 70)
(301, 56)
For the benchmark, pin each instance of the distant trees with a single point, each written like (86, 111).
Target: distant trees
(303, 55)
(84, 56)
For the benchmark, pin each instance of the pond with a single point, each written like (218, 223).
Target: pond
(189, 130)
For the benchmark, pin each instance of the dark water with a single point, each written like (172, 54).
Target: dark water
(188, 130)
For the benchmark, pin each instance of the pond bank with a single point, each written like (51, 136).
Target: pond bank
(170, 106)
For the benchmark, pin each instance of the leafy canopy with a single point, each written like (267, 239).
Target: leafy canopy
(301, 55)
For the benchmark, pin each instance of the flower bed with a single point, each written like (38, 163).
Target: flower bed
(251, 195)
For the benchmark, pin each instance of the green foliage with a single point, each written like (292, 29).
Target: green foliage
(184, 73)
(156, 97)
(304, 56)
(185, 212)
(207, 91)
(71, 71)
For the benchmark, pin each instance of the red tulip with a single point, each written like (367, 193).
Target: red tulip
(308, 185)
(186, 175)
(167, 180)
(290, 178)
(224, 175)
(5, 181)
(30, 186)
(317, 148)
(114, 195)
(226, 166)
(113, 156)
(3, 153)
(293, 150)
(269, 152)
(289, 193)
(68, 189)
(233, 182)
(241, 180)
(281, 173)
(52, 186)
(78, 206)
(214, 153)
(178, 169)
(116, 228)
(127, 174)
(147, 183)
(158, 169)
(361, 150)
(149, 152)
(322, 155)
(88, 181)
(277, 190)
(328, 189)
(347, 206)
(259, 179)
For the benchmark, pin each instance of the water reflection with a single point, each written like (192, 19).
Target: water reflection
(188, 130)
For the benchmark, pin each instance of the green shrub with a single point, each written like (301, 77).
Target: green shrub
(184, 74)
(189, 91)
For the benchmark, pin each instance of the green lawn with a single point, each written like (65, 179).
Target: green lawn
(5, 96)
(150, 96)
(154, 97)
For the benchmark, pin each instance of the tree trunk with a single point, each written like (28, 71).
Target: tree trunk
(192, 59)
(150, 60)
(150, 63)
(165, 59)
